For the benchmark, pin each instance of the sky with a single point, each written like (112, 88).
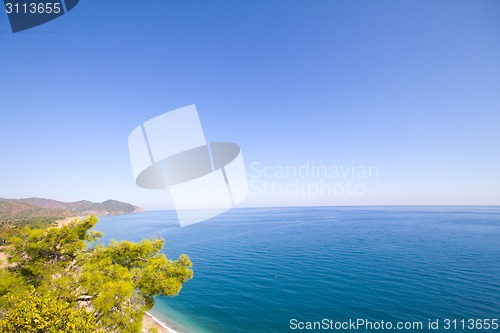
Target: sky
(407, 89)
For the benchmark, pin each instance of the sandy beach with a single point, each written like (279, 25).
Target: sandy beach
(148, 321)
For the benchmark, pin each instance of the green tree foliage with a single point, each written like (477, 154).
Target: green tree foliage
(14, 227)
(10, 284)
(114, 284)
(35, 313)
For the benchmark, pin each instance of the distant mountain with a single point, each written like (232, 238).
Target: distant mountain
(15, 215)
(41, 213)
(65, 209)
(16, 211)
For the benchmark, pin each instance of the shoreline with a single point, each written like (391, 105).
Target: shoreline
(149, 321)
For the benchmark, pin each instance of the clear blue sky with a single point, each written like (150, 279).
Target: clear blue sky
(412, 87)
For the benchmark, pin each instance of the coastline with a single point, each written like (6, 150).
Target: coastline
(149, 321)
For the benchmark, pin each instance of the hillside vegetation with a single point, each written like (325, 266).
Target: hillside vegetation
(16, 215)
(83, 207)
(36, 213)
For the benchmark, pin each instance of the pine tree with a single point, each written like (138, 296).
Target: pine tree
(113, 284)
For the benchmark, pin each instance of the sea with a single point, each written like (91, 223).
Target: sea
(330, 269)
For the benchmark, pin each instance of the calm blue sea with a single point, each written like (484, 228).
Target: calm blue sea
(257, 269)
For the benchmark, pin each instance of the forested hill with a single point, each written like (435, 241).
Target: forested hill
(40, 213)
(13, 207)
(14, 211)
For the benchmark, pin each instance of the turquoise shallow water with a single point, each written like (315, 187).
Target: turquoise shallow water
(257, 269)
